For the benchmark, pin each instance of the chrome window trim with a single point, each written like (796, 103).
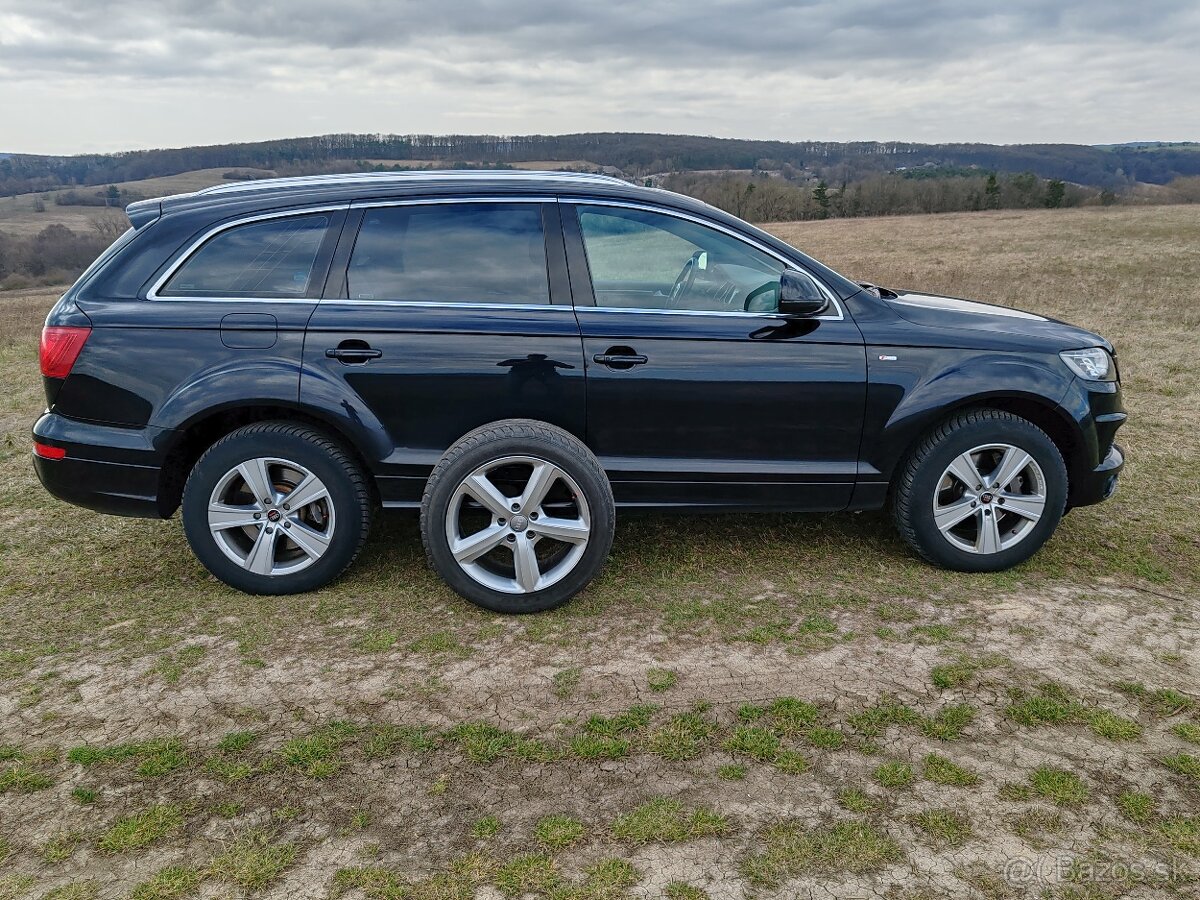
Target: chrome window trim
(187, 254)
(446, 304)
(436, 201)
(716, 226)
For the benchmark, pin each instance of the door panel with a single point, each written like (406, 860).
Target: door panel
(729, 408)
(440, 369)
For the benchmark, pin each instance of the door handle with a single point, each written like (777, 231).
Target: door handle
(352, 355)
(620, 358)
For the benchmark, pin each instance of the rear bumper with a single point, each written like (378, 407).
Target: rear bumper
(108, 469)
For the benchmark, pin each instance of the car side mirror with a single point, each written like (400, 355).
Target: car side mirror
(799, 294)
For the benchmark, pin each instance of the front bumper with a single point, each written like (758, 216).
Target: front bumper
(1100, 483)
(108, 469)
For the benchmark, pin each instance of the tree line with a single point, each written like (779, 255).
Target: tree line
(635, 154)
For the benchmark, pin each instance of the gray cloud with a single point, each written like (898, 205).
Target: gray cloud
(187, 71)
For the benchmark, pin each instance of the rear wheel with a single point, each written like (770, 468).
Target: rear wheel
(982, 493)
(517, 516)
(276, 508)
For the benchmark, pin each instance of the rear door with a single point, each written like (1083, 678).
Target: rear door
(699, 393)
(441, 316)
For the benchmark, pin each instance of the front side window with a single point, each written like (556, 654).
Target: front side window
(648, 260)
(451, 253)
(273, 258)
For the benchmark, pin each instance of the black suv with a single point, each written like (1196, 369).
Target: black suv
(517, 354)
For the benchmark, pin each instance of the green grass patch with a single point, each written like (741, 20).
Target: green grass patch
(315, 756)
(633, 719)
(439, 642)
(236, 741)
(486, 827)
(1187, 731)
(854, 848)
(599, 746)
(663, 820)
(825, 738)
(944, 827)
(894, 775)
(528, 873)
(22, 779)
(141, 829)
(855, 801)
(170, 883)
(1060, 787)
(684, 736)
(253, 861)
(660, 680)
(757, 743)
(482, 742)
(952, 675)
(1181, 833)
(1184, 764)
(386, 739)
(681, 890)
(1109, 725)
(1137, 807)
(941, 770)
(949, 722)
(874, 720)
(734, 772)
(84, 796)
(790, 716)
(565, 682)
(558, 832)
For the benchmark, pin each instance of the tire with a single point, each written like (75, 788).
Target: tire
(996, 530)
(258, 546)
(566, 492)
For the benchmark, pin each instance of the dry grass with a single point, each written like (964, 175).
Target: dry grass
(713, 711)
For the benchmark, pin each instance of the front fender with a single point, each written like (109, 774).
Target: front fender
(910, 389)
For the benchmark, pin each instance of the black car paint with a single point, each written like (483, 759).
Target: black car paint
(730, 411)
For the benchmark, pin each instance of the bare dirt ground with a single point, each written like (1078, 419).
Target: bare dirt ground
(780, 706)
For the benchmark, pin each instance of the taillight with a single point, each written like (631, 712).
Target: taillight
(60, 348)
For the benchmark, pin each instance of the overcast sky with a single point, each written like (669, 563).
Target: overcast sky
(78, 76)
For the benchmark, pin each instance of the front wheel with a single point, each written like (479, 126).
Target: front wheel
(982, 493)
(517, 516)
(276, 508)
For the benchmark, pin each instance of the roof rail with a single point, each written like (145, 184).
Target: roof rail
(263, 184)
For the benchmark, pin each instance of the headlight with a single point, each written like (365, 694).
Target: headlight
(1094, 364)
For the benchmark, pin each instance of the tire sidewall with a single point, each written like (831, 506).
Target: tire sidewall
(239, 447)
(587, 475)
(1017, 433)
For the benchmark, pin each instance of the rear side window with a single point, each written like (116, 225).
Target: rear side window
(273, 258)
(451, 253)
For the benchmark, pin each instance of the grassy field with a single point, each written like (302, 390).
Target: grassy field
(740, 707)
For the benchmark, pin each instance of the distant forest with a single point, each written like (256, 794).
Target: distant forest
(762, 181)
(636, 155)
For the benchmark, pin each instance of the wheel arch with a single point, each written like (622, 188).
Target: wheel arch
(205, 429)
(1047, 415)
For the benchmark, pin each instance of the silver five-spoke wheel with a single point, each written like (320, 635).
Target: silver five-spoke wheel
(271, 516)
(989, 498)
(518, 524)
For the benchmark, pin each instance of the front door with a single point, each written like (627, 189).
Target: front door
(438, 319)
(699, 394)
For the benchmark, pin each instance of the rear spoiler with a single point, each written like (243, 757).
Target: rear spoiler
(143, 212)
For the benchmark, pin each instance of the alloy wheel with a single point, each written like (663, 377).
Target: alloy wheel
(518, 524)
(271, 516)
(989, 499)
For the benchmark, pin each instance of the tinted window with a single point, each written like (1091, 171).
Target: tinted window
(272, 258)
(650, 260)
(451, 252)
